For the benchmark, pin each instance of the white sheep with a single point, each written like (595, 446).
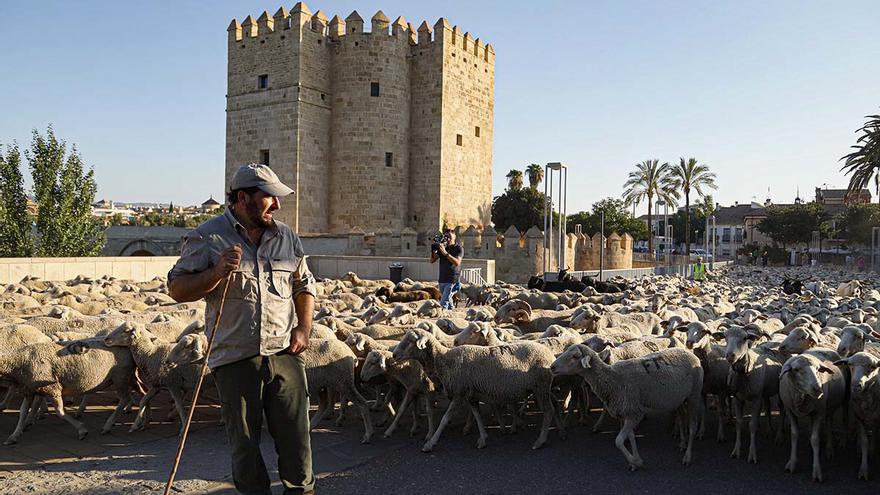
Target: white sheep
(497, 375)
(629, 389)
(810, 385)
(411, 375)
(865, 398)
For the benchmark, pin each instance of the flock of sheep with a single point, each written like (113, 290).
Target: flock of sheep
(736, 345)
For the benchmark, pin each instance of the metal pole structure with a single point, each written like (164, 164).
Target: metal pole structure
(666, 231)
(546, 230)
(706, 238)
(714, 244)
(669, 236)
(563, 231)
(549, 233)
(602, 247)
(875, 247)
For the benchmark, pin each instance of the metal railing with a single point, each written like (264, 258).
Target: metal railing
(473, 276)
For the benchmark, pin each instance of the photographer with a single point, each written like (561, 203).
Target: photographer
(449, 253)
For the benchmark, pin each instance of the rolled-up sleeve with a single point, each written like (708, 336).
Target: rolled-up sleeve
(303, 280)
(193, 256)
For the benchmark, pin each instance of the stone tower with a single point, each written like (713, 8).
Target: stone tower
(386, 128)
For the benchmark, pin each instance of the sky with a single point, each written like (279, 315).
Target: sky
(767, 93)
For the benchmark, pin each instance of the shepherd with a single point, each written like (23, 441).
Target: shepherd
(255, 357)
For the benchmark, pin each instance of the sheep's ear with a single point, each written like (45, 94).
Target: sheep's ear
(422, 342)
(717, 335)
(520, 315)
(785, 369)
(842, 362)
(664, 323)
(585, 362)
(382, 361)
(681, 328)
(763, 317)
(359, 345)
(825, 369)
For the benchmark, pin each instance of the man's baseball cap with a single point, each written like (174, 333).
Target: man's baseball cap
(259, 175)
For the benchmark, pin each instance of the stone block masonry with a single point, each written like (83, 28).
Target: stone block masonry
(389, 128)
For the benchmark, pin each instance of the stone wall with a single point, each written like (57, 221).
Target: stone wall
(517, 256)
(355, 159)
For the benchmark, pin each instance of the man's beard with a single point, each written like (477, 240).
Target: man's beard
(256, 216)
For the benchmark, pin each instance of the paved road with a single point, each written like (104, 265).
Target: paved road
(50, 460)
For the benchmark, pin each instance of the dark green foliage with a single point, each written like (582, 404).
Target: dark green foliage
(617, 219)
(64, 191)
(863, 163)
(794, 223)
(522, 208)
(15, 223)
(856, 223)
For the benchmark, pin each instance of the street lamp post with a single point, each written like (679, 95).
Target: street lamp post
(714, 245)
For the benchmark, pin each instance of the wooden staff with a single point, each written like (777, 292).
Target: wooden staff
(198, 389)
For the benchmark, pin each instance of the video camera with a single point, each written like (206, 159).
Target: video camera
(438, 239)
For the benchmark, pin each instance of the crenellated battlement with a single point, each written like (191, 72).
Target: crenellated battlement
(337, 29)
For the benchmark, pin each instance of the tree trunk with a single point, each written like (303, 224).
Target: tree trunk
(687, 225)
(650, 226)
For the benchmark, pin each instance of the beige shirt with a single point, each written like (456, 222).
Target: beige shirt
(259, 314)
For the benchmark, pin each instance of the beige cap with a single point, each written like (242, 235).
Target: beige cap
(259, 175)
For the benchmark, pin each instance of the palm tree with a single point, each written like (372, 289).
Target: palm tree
(864, 162)
(650, 179)
(535, 173)
(686, 177)
(514, 180)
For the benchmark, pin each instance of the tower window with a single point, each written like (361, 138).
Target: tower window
(389, 159)
(458, 139)
(264, 157)
(476, 131)
(263, 81)
(374, 89)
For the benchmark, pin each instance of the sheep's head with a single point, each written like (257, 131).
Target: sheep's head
(863, 368)
(555, 331)
(697, 333)
(125, 334)
(375, 364)
(586, 320)
(357, 342)
(431, 308)
(162, 318)
(476, 333)
(853, 337)
(378, 316)
(514, 311)
(190, 349)
(413, 345)
(401, 315)
(798, 340)
(803, 373)
(574, 361)
(739, 341)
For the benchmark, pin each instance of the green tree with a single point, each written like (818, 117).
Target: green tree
(863, 163)
(856, 223)
(617, 219)
(15, 222)
(522, 208)
(535, 173)
(64, 192)
(794, 223)
(686, 177)
(514, 180)
(649, 180)
(705, 208)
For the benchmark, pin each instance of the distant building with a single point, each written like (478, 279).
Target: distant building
(209, 206)
(840, 197)
(737, 225)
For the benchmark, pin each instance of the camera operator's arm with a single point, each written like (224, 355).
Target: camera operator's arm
(455, 260)
(434, 256)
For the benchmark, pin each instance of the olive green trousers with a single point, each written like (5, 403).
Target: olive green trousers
(274, 385)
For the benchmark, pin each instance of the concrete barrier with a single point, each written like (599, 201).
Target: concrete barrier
(683, 270)
(143, 268)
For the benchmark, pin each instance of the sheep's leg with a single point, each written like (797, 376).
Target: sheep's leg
(37, 405)
(865, 444)
(738, 413)
(415, 418)
(626, 432)
(719, 436)
(753, 431)
(364, 409)
(694, 412)
(768, 413)
(829, 437)
(546, 405)
(481, 428)
(702, 431)
(81, 430)
(22, 416)
(780, 432)
(324, 406)
(599, 421)
(430, 415)
(141, 421)
(82, 407)
(816, 443)
(178, 396)
(792, 459)
(7, 398)
(120, 405)
(584, 404)
(403, 404)
(447, 416)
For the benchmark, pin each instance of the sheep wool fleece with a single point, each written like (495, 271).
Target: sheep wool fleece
(274, 385)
